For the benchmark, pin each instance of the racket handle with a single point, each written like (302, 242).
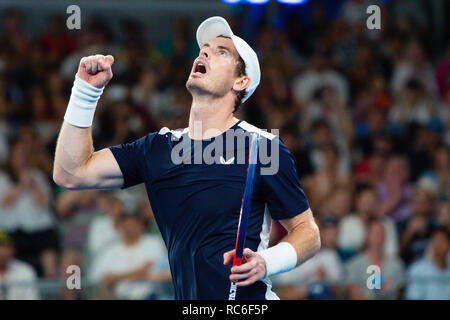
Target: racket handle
(237, 261)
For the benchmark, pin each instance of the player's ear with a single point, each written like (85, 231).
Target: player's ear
(241, 83)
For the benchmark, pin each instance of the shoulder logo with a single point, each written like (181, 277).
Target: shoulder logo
(229, 161)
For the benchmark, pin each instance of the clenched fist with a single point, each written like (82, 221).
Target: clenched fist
(96, 70)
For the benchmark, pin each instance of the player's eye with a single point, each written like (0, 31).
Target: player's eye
(223, 53)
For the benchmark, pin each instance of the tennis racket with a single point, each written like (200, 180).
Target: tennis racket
(245, 209)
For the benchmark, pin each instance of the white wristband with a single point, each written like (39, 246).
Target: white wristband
(83, 101)
(279, 258)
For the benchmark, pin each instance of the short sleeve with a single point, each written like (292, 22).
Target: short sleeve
(284, 195)
(131, 159)
(415, 289)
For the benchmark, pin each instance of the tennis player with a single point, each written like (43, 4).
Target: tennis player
(196, 205)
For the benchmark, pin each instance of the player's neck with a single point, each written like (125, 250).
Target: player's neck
(210, 117)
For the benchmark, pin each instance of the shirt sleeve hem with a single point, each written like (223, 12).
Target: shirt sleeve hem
(282, 215)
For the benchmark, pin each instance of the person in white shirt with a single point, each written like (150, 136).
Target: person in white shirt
(104, 230)
(318, 75)
(124, 269)
(391, 276)
(429, 278)
(414, 65)
(324, 270)
(17, 278)
(25, 198)
(353, 228)
(413, 105)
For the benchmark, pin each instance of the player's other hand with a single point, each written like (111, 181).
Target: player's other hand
(96, 70)
(252, 269)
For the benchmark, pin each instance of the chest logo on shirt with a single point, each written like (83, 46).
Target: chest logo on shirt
(229, 161)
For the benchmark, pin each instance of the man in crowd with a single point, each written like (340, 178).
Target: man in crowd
(124, 267)
(391, 268)
(429, 278)
(16, 277)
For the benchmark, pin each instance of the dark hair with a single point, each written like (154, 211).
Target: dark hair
(414, 84)
(440, 229)
(364, 188)
(240, 71)
(319, 124)
(372, 221)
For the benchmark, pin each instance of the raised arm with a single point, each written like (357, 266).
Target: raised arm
(76, 165)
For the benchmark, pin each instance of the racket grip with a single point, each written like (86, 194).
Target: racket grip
(236, 262)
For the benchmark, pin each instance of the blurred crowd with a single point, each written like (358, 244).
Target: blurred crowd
(366, 114)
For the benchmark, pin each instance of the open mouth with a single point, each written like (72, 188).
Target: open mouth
(200, 67)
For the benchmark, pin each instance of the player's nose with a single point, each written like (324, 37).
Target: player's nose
(204, 52)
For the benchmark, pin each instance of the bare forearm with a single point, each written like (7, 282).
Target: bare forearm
(301, 243)
(160, 276)
(73, 150)
(76, 165)
(305, 239)
(137, 274)
(13, 195)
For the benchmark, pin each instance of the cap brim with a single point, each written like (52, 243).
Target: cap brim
(212, 28)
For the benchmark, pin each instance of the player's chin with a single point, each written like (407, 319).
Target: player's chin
(194, 84)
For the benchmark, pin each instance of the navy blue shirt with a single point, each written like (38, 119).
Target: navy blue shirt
(196, 205)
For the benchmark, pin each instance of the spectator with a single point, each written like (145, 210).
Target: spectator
(318, 75)
(17, 278)
(25, 198)
(440, 172)
(322, 183)
(395, 192)
(370, 170)
(353, 228)
(326, 107)
(413, 105)
(125, 267)
(391, 268)
(104, 230)
(318, 276)
(414, 65)
(338, 205)
(417, 229)
(429, 278)
(76, 210)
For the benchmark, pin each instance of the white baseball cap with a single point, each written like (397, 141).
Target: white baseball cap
(218, 26)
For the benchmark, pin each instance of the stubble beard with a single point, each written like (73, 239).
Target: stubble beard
(201, 90)
(196, 88)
